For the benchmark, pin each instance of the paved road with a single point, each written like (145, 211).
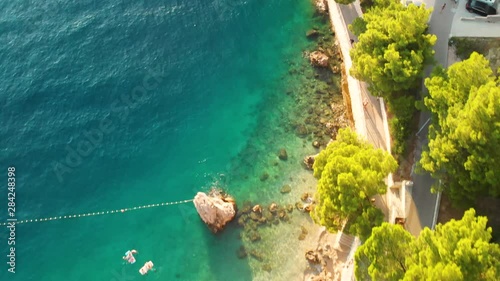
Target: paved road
(440, 24)
(350, 14)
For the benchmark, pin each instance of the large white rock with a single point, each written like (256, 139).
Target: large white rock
(215, 210)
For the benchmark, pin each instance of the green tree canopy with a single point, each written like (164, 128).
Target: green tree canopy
(456, 250)
(391, 53)
(383, 255)
(464, 139)
(350, 172)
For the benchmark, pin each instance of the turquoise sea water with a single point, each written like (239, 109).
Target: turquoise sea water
(160, 99)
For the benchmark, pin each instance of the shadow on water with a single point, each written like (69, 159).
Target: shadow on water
(224, 262)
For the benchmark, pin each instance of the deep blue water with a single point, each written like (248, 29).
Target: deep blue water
(113, 104)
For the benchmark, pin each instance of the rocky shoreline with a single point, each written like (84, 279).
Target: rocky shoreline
(324, 261)
(322, 114)
(278, 237)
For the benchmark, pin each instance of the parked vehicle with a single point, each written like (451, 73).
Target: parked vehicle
(480, 8)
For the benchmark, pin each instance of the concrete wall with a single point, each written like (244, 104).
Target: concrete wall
(353, 85)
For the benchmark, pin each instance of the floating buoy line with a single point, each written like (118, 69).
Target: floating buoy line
(118, 211)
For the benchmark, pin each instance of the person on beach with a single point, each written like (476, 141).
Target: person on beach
(147, 267)
(365, 102)
(129, 256)
(442, 8)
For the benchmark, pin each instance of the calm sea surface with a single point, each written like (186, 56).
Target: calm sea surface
(115, 104)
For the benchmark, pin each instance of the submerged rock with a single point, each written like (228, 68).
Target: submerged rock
(321, 6)
(282, 155)
(312, 33)
(257, 209)
(301, 130)
(303, 233)
(273, 208)
(305, 197)
(215, 210)
(304, 230)
(247, 207)
(309, 161)
(241, 252)
(299, 206)
(267, 267)
(254, 236)
(312, 257)
(268, 215)
(264, 176)
(256, 255)
(251, 225)
(282, 215)
(316, 144)
(302, 236)
(263, 220)
(319, 59)
(255, 216)
(308, 208)
(286, 188)
(242, 220)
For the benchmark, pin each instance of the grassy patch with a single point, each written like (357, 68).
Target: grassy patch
(464, 46)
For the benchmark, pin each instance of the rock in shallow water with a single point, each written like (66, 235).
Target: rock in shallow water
(257, 209)
(319, 59)
(299, 206)
(253, 236)
(255, 216)
(321, 6)
(312, 257)
(215, 210)
(312, 33)
(242, 252)
(316, 144)
(273, 208)
(257, 255)
(305, 197)
(286, 188)
(267, 267)
(301, 131)
(283, 155)
(309, 161)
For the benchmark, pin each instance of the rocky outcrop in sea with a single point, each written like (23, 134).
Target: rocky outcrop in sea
(216, 209)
